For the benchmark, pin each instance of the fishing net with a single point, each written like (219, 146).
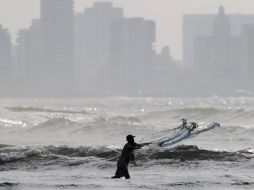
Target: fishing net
(170, 137)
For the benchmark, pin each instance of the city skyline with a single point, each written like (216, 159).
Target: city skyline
(170, 12)
(101, 51)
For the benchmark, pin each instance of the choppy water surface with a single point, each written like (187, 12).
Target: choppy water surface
(74, 143)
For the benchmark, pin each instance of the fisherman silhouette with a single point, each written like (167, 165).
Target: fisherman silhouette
(126, 157)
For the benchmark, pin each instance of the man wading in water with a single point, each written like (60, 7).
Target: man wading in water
(127, 156)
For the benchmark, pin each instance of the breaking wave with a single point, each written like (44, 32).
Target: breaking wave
(53, 124)
(185, 153)
(61, 124)
(64, 155)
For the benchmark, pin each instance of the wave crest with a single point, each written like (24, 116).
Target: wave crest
(185, 153)
(64, 154)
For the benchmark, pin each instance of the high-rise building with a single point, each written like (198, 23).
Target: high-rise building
(57, 45)
(202, 25)
(28, 65)
(22, 54)
(247, 42)
(221, 25)
(220, 51)
(131, 55)
(92, 44)
(219, 45)
(218, 56)
(5, 56)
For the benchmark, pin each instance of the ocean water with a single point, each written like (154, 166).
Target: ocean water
(74, 143)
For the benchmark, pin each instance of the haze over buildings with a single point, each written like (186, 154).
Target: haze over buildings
(202, 25)
(221, 54)
(93, 44)
(102, 52)
(131, 56)
(57, 34)
(5, 56)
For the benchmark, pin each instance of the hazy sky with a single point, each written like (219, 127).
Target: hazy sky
(16, 14)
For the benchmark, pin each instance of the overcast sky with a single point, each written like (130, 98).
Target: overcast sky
(16, 14)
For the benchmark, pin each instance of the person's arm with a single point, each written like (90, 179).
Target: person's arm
(135, 146)
(144, 144)
(138, 146)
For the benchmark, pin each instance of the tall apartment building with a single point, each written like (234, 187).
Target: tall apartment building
(131, 55)
(5, 56)
(57, 44)
(92, 45)
(28, 65)
(247, 42)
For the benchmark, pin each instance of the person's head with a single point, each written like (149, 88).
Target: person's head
(130, 139)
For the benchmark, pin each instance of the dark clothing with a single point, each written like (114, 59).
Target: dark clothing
(126, 156)
(122, 172)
